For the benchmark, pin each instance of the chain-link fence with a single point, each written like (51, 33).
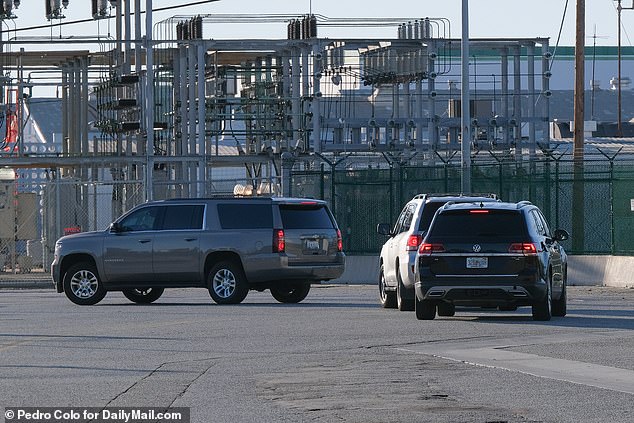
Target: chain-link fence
(601, 223)
(35, 213)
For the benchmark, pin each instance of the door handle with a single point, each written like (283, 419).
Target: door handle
(190, 239)
(144, 241)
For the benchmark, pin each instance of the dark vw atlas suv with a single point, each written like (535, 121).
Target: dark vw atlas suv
(227, 245)
(491, 254)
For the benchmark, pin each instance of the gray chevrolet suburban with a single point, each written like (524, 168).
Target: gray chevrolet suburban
(228, 245)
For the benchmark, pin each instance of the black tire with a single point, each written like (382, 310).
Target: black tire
(143, 295)
(226, 283)
(446, 309)
(542, 310)
(560, 306)
(290, 292)
(425, 310)
(403, 304)
(387, 298)
(82, 284)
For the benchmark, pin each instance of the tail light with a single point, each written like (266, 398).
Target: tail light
(525, 248)
(279, 242)
(339, 241)
(413, 242)
(427, 249)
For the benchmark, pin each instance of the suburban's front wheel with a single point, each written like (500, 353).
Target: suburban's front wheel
(82, 284)
(143, 295)
(290, 292)
(226, 283)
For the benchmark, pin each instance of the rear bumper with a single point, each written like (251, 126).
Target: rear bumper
(482, 292)
(280, 269)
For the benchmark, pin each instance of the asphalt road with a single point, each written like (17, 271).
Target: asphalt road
(336, 357)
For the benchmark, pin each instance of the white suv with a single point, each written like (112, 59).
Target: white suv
(398, 254)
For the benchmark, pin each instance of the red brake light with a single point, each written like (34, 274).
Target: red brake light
(526, 248)
(427, 249)
(413, 241)
(279, 243)
(339, 241)
(479, 211)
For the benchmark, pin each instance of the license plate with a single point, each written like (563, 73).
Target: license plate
(477, 262)
(312, 244)
(312, 247)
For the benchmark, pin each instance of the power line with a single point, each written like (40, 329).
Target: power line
(159, 9)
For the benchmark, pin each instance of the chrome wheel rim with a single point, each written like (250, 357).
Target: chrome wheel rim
(224, 283)
(84, 284)
(382, 288)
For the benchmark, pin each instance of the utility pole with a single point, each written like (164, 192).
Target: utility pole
(465, 100)
(578, 221)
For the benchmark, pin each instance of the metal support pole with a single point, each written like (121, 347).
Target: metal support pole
(202, 133)
(149, 104)
(545, 89)
(465, 99)
(517, 103)
(505, 94)
(531, 96)
(316, 107)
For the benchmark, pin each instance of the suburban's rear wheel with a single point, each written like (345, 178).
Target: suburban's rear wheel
(542, 310)
(425, 310)
(226, 283)
(387, 298)
(290, 292)
(143, 295)
(82, 284)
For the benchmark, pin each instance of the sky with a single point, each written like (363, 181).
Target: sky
(487, 18)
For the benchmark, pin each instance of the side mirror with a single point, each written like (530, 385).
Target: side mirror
(383, 229)
(115, 227)
(561, 235)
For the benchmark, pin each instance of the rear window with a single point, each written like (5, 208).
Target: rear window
(245, 216)
(500, 224)
(305, 217)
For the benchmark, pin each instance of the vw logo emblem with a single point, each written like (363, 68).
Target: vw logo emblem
(477, 248)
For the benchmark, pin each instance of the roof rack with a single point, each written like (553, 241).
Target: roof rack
(455, 194)
(524, 203)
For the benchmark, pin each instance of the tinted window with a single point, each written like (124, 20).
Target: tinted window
(428, 214)
(499, 224)
(144, 219)
(407, 219)
(183, 217)
(305, 217)
(245, 216)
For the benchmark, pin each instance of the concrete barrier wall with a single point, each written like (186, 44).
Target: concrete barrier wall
(616, 271)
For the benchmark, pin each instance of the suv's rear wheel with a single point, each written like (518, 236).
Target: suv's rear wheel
(143, 295)
(446, 309)
(290, 292)
(542, 310)
(425, 310)
(226, 283)
(82, 284)
(387, 298)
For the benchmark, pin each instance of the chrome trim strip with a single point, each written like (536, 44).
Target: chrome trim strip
(476, 276)
(475, 255)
